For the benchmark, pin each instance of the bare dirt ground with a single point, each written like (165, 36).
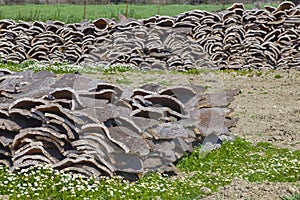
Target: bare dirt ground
(244, 190)
(268, 108)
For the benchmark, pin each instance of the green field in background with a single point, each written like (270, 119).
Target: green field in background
(75, 13)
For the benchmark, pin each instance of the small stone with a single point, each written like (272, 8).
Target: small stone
(243, 189)
(276, 138)
(266, 188)
(4, 197)
(291, 190)
(255, 188)
(206, 190)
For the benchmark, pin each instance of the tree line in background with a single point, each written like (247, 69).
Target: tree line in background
(162, 2)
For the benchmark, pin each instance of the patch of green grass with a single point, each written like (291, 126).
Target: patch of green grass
(117, 69)
(42, 182)
(247, 72)
(278, 76)
(237, 159)
(74, 13)
(197, 71)
(240, 159)
(292, 197)
(258, 74)
(57, 68)
(62, 68)
(122, 80)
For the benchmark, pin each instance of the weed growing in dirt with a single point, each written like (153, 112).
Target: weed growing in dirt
(237, 159)
(117, 69)
(258, 74)
(278, 76)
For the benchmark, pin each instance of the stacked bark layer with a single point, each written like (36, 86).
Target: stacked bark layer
(236, 38)
(85, 126)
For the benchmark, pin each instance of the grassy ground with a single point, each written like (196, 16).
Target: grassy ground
(238, 159)
(74, 13)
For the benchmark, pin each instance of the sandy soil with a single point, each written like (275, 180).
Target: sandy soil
(268, 108)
